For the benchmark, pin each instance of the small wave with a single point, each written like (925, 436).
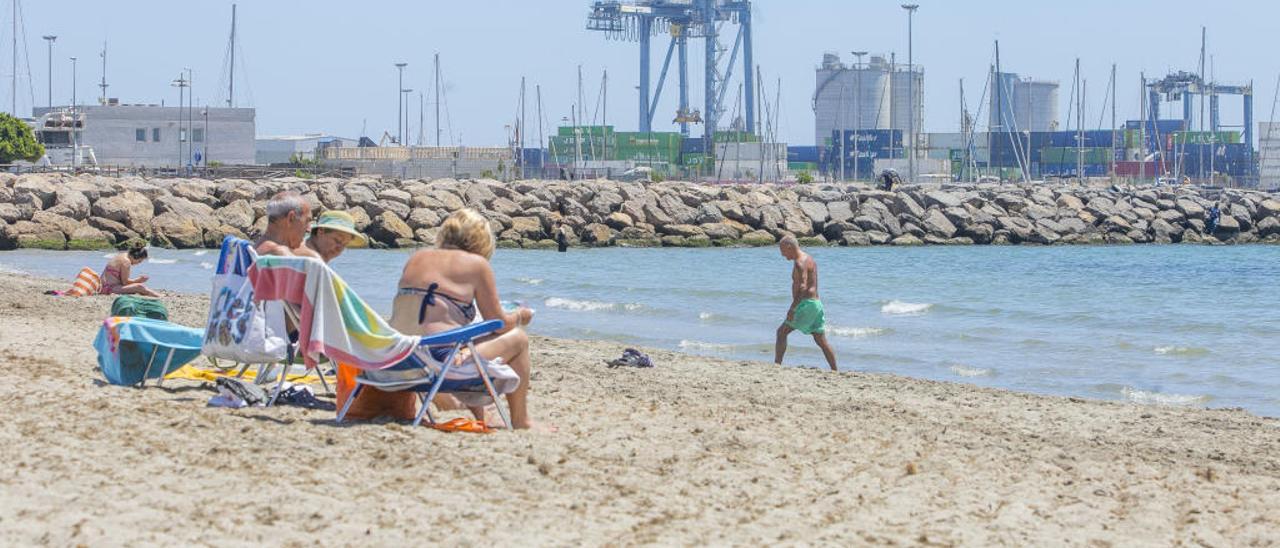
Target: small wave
(899, 308)
(163, 261)
(857, 332)
(530, 281)
(705, 346)
(706, 316)
(202, 252)
(109, 255)
(589, 306)
(206, 265)
(1160, 398)
(966, 371)
(1180, 350)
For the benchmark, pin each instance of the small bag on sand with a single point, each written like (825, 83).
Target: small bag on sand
(139, 307)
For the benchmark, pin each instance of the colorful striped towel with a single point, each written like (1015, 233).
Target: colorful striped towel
(87, 283)
(334, 321)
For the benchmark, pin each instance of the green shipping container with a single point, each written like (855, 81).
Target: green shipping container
(1071, 155)
(1206, 137)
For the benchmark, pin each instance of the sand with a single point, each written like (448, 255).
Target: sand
(694, 451)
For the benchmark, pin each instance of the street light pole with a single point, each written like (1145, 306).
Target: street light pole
(857, 108)
(400, 104)
(50, 39)
(75, 141)
(404, 102)
(911, 92)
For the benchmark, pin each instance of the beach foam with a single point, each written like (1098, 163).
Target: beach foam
(705, 346)
(164, 261)
(857, 332)
(589, 306)
(1160, 398)
(899, 308)
(206, 265)
(202, 253)
(966, 371)
(1180, 350)
(530, 281)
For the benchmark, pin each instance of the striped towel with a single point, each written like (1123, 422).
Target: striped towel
(334, 321)
(87, 283)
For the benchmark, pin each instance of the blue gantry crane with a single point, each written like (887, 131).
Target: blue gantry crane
(641, 20)
(1184, 86)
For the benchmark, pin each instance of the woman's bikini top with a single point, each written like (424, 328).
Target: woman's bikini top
(465, 310)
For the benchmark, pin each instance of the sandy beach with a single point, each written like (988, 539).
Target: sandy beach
(694, 451)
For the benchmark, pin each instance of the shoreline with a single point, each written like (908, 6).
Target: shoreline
(697, 450)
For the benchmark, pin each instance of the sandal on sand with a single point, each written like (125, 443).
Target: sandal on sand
(462, 424)
(631, 358)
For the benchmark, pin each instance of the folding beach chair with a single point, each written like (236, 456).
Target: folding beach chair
(336, 323)
(241, 331)
(132, 350)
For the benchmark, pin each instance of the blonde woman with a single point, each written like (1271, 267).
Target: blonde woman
(444, 288)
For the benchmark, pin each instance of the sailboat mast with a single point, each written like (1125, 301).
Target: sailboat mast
(1113, 123)
(103, 85)
(437, 75)
(231, 72)
(14, 81)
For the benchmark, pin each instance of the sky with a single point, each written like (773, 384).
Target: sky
(327, 66)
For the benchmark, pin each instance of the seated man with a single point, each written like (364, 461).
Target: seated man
(444, 288)
(288, 219)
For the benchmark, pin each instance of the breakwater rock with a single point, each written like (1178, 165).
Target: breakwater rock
(89, 212)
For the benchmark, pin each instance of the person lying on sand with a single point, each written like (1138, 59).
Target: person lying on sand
(806, 314)
(332, 232)
(288, 219)
(115, 276)
(444, 288)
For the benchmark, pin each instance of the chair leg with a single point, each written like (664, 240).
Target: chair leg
(424, 410)
(346, 406)
(284, 372)
(435, 387)
(243, 369)
(488, 384)
(147, 372)
(324, 383)
(165, 371)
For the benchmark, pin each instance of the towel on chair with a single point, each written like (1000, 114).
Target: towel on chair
(334, 321)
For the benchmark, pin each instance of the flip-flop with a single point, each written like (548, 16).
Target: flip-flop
(462, 424)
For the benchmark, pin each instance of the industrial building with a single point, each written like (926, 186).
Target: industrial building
(866, 96)
(1269, 154)
(423, 162)
(1023, 104)
(289, 148)
(153, 136)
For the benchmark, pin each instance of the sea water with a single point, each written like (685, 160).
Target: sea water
(1180, 325)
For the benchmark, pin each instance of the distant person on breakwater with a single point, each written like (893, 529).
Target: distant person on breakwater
(806, 314)
(115, 277)
(332, 233)
(288, 219)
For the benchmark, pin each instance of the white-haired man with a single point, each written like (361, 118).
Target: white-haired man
(288, 220)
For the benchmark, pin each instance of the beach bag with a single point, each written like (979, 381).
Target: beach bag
(87, 283)
(240, 329)
(139, 307)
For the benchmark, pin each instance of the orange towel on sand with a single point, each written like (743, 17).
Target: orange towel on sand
(373, 403)
(87, 283)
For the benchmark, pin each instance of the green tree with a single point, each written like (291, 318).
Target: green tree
(17, 141)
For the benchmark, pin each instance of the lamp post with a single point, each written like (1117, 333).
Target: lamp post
(911, 92)
(181, 84)
(191, 106)
(75, 141)
(857, 108)
(50, 39)
(400, 104)
(204, 146)
(404, 102)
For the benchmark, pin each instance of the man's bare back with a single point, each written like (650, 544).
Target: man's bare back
(804, 278)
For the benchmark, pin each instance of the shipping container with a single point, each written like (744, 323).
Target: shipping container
(1206, 137)
(1071, 155)
(803, 154)
(1071, 170)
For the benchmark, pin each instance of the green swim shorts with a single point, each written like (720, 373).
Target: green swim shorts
(808, 317)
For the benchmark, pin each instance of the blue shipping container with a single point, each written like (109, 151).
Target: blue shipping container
(802, 154)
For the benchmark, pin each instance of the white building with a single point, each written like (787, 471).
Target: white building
(1269, 154)
(284, 148)
(156, 136)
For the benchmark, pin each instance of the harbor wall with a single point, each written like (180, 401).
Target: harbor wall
(88, 212)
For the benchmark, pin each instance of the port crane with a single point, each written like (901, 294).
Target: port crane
(642, 20)
(1184, 86)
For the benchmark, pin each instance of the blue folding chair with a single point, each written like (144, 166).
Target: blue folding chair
(423, 374)
(128, 349)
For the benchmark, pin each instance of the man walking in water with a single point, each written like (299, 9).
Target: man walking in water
(805, 314)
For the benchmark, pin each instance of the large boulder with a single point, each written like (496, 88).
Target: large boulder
(12, 213)
(129, 208)
(839, 211)
(86, 237)
(182, 207)
(237, 215)
(903, 203)
(395, 195)
(389, 229)
(936, 223)
(173, 229)
(66, 224)
(942, 199)
(27, 234)
(198, 191)
(816, 212)
(721, 231)
(687, 231)
(359, 195)
(41, 190)
(528, 227)
(428, 218)
(118, 232)
(379, 207)
(71, 203)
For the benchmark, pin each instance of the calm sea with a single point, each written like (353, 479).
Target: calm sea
(1176, 325)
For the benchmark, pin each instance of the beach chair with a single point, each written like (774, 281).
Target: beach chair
(230, 337)
(132, 350)
(336, 323)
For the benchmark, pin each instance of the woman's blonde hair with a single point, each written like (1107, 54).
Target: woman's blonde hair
(468, 231)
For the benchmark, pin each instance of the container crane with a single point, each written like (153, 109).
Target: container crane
(641, 20)
(1184, 86)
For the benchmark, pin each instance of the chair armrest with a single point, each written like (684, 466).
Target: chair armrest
(461, 334)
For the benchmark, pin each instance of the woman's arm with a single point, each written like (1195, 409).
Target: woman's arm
(489, 304)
